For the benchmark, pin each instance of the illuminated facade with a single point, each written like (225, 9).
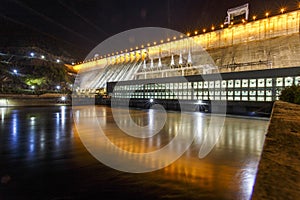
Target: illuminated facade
(283, 25)
(244, 54)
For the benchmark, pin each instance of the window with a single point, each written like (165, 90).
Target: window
(253, 83)
(205, 84)
(297, 80)
(268, 92)
(269, 82)
(261, 93)
(237, 83)
(224, 84)
(230, 84)
(200, 84)
(279, 82)
(288, 81)
(195, 85)
(261, 82)
(245, 83)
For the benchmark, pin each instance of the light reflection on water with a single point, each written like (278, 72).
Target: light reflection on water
(228, 172)
(229, 169)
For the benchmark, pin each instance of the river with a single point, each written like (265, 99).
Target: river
(43, 157)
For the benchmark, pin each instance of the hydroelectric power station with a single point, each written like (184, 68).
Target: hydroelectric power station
(246, 62)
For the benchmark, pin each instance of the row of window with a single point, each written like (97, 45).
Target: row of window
(244, 83)
(267, 89)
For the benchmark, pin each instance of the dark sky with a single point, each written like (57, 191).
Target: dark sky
(79, 25)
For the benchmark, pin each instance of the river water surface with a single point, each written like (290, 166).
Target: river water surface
(43, 157)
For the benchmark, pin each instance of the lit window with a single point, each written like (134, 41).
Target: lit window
(230, 84)
(268, 98)
(224, 83)
(279, 82)
(200, 84)
(237, 83)
(253, 83)
(261, 82)
(211, 84)
(205, 84)
(245, 83)
(269, 82)
(297, 80)
(288, 81)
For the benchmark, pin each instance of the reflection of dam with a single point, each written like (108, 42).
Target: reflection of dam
(271, 43)
(229, 169)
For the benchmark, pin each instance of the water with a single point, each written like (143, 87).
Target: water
(44, 158)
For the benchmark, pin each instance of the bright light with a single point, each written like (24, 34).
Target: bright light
(31, 54)
(212, 28)
(282, 10)
(204, 30)
(222, 26)
(57, 60)
(200, 102)
(267, 14)
(32, 87)
(15, 71)
(254, 17)
(42, 56)
(196, 32)
(58, 87)
(151, 100)
(63, 98)
(188, 34)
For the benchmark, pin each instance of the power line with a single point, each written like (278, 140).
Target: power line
(34, 29)
(84, 19)
(53, 22)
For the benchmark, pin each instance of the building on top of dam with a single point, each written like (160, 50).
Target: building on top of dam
(257, 45)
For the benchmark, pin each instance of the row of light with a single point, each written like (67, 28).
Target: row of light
(196, 32)
(32, 54)
(267, 14)
(132, 49)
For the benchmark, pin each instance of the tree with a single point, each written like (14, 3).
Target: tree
(291, 94)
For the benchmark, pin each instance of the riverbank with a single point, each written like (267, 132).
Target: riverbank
(278, 174)
(7, 100)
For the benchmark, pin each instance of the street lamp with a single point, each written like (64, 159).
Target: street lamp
(15, 71)
(267, 14)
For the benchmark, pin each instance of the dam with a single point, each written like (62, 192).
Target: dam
(246, 64)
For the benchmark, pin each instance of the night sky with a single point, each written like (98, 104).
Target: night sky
(77, 26)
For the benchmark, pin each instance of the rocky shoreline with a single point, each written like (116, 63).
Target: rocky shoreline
(278, 174)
